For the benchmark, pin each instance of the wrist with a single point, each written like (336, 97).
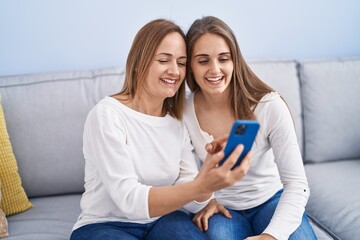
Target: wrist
(200, 192)
(205, 198)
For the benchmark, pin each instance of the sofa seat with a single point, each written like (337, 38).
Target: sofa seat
(53, 218)
(341, 203)
(50, 218)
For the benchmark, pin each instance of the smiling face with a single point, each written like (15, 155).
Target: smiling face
(211, 64)
(167, 69)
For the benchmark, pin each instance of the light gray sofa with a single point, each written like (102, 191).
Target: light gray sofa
(45, 114)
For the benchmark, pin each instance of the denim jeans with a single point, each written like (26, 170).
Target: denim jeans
(251, 222)
(176, 225)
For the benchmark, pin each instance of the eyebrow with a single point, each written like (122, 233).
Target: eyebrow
(169, 55)
(206, 55)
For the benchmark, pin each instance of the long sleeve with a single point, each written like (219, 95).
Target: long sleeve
(105, 147)
(282, 137)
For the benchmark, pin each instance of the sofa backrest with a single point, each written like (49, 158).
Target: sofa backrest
(331, 106)
(283, 77)
(45, 115)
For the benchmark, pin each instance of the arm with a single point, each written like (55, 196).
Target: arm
(211, 178)
(105, 147)
(282, 137)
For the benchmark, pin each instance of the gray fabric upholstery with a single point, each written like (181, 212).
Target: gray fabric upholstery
(331, 101)
(335, 197)
(282, 76)
(319, 231)
(45, 114)
(51, 218)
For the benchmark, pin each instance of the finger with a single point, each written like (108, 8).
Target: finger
(212, 160)
(221, 141)
(246, 162)
(244, 167)
(231, 160)
(224, 211)
(205, 219)
(197, 221)
(216, 145)
(213, 147)
(209, 147)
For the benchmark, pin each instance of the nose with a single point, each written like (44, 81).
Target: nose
(214, 67)
(173, 69)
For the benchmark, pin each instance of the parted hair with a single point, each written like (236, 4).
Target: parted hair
(140, 56)
(246, 89)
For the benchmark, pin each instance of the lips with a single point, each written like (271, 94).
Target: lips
(214, 79)
(168, 80)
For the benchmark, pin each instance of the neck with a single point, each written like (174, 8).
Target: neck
(215, 101)
(152, 107)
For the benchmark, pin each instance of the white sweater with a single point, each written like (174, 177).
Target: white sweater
(277, 164)
(126, 153)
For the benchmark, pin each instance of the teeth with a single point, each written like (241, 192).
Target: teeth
(169, 80)
(214, 79)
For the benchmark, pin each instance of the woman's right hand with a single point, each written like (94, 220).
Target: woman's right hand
(213, 177)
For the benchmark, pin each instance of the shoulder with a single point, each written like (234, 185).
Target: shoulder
(272, 102)
(272, 112)
(107, 111)
(105, 106)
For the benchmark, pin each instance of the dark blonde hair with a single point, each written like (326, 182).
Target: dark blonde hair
(246, 88)
(141, 54)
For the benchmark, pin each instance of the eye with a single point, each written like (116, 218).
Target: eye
(163, 61)
(203, 62)
(182, 64)
(223, 60)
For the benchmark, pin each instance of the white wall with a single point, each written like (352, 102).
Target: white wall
(57, 35)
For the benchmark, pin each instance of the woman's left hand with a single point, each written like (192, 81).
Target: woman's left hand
(201, 218)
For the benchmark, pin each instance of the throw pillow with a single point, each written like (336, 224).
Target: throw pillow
(3, 222)
(14, 199)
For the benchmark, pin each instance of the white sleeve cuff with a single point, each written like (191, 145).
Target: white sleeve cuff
(196, 206)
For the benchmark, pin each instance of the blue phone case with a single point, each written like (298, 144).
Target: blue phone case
(242, 132)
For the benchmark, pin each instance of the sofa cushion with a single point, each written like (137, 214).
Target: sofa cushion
(50, 218)
(282, 76)
(14, 199)
(47, 113)
(334, 196)
(330, 92)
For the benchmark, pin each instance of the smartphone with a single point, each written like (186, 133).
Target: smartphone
(242, 132)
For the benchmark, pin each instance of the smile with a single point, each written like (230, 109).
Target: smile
(214, 79)
(169, 81)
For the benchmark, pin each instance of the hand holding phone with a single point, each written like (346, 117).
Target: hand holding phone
(242, 132)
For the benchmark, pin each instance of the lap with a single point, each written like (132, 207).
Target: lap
(107, 231)
(236, 227)
(176, 225)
